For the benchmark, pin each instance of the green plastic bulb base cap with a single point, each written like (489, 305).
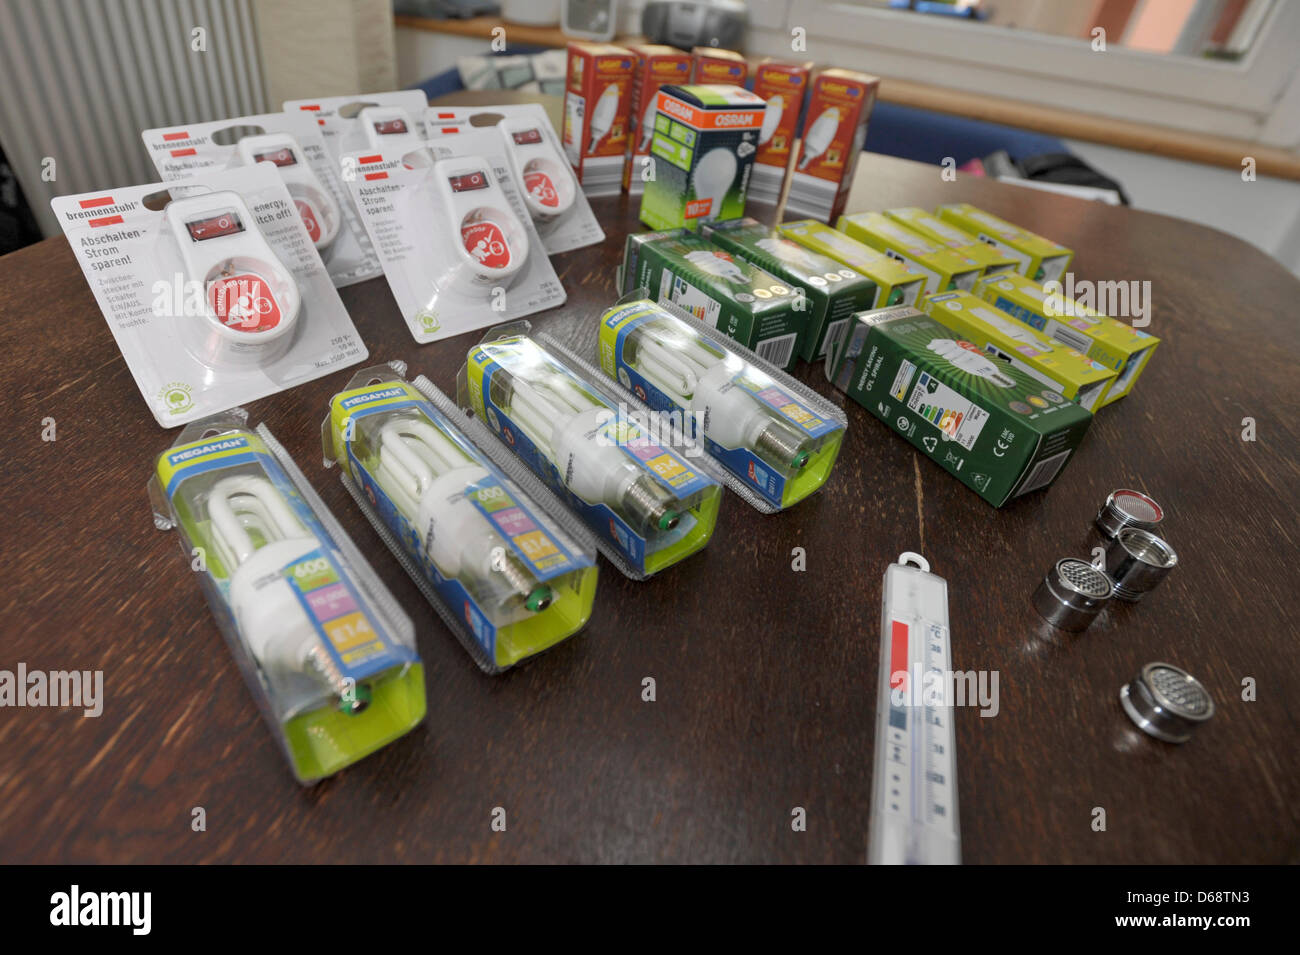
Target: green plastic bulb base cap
(669, 520)
(895, 296)
(539, 599)
(355, 700)
(801, 459)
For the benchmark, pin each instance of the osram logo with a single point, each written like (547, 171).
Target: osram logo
(735, 119)
(677, 108)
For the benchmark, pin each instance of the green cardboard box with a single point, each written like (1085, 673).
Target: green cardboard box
(743, 301)
(1040, 259)
(1060, 367)
(944, 268)
(832, 291)
(963, 243)
(1105, 340)
(993, 427)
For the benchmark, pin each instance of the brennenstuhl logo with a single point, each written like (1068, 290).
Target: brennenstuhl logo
(132, 909)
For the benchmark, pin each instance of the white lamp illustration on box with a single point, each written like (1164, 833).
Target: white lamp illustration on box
(771, 118)
(568, 426)
(700, 376)
(252, 301)
(319, 212)
(718, 264)
(966, 357)
(603, 115)
(490, 243)
(431, 480)
(547, 179)
(648, 123)
(820, 135)
(268, 611)
(713, 176)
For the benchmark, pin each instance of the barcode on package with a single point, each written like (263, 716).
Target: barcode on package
(777, 350)
(1068, 336)
(1044, 473)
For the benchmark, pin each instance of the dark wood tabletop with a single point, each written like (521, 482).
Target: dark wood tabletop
(765, 675)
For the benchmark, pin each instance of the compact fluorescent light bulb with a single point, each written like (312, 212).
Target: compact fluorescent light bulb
(565, 424)
(431, 480)
(602, 116)
(267, 609)
(968, 358)
(317, 208)
(820, 135)
(771, 118)
(702, 377)
(713, 176)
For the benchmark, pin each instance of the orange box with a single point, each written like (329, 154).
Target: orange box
(725, 67)
(597, 95)
(784, 87)
(656, 66)
(839, 106)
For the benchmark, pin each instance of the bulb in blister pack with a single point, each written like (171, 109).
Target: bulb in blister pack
(820, 135)
(568, 426)
(251, 300)
(771, 118)
(717, 263)
(431, 480)
(713, 176)
(389, 128)
(317, 208)
(268, 611)
(603, 115)
(966, 357)
(546, 177)
(702, 377)
(489, 241)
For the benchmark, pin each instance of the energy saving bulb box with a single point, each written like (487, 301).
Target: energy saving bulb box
(897, 283)
(656, 66)
(944, 268)
(718, 67)
(597, 107)
(722, 290)
(1059, 367)
(832, 291)
(996, 429)
(703, 150)
(1105, 340)
(783, 87)
(509, 578)
(776, 437)
(212, 288)
(648, 504)
(839, 107)
(458, 244)
(324, 647)
(1040, 259)
(963, 243)
(293, 143)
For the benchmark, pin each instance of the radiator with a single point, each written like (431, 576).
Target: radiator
(79, 80)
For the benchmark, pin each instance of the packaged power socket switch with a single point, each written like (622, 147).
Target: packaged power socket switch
(510, 571)
(542, 174)
(324, 647)
(391, 121)
(458, 245)
(212, 288)
(648, 504)
(293, 143)
(777, 438)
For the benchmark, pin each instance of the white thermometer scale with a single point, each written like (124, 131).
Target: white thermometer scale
(490, 241)
(319, 212)
(252, 301)
(545, 177)
(914, 787)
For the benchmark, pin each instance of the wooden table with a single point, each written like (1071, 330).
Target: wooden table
(766, 676)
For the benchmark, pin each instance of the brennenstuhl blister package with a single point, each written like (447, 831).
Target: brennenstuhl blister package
(391, 121)
(648, 505)
(326, 650)
(510, 579)
(777, 438)
(212, 288)
(459, 248)
(293, 143)
(542, 174)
